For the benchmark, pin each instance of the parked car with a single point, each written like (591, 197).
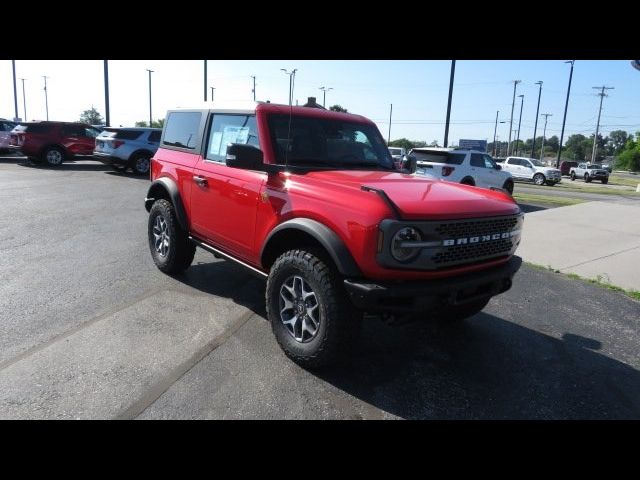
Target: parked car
(531, 170)
(566, 166)
(469, 167)
(397, 153)
(589, 172)
(311, 201)
(5, 134)
(124, 148)
(53, 142)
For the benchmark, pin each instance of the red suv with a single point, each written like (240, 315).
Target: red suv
(53, 142)
(311, 200)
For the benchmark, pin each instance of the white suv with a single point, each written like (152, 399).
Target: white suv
(469, 167)
(530, 169)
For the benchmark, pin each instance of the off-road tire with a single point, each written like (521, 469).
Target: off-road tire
(180, 251)
(339, 322)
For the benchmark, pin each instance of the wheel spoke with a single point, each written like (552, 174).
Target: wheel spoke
(299, 308)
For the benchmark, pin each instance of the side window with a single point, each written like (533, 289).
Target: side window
(182, 129)
(582, 165)
(489, 162)
(226, 129)
(526, 163)
(155, 136)
(477, 160)
(91, 132)
(73, 131)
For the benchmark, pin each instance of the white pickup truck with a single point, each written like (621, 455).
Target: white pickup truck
(589, 172)
(531, 170)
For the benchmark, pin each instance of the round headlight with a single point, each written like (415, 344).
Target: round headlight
(404, 254)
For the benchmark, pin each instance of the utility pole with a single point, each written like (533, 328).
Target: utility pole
(212, 89)
(495, 130)
(292, 75)
(446, 128)
(513, 103)
(390, 113)
(324, 94)
(150, 116)
(106, 93)
(544, 133)
(205, 81)
(15, 90)
(595, 139)
(535, 127)
(254, 87)
(519, 123)
(24, 100)
(566, 106)
(46, 99)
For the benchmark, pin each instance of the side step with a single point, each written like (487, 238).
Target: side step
(219, 253)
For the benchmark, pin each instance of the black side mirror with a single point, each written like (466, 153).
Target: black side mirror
(498, 166)
(410, 163)
(244, 156)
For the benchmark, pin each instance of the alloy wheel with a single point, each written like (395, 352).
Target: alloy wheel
(299, 309)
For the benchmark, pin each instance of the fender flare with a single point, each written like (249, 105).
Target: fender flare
(326, 237)
(170, 187)
(468, 177)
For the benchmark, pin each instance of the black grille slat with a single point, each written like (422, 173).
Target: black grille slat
(473, 252)
(474, 228)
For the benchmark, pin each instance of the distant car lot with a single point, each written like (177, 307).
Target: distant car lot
(95, 331)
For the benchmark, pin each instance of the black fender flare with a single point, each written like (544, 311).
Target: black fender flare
(170, 187)
(329, 240)
(470, 178)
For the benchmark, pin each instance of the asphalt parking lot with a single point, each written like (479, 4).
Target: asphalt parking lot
(89, 328)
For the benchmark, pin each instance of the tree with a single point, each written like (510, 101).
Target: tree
(575, 148)
(552, 142)
(154, 123)
(338, 108)
(92, 117)
(617, 141)
(401, 143)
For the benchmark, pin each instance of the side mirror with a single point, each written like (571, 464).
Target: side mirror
(498, 166)
(244, 156)
(410, 163)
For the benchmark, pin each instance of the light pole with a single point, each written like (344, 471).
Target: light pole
(254, 87)
(150, 115)
(564, 119)
(15, 90)
(513, 103)
(519, 123)
(292, 75)
(446, 127)
(390, 113)
(595, 139)
(46, 98)
(106, 93)
(324, 94)
(495, 131)
(535, 127)
(212, 89)
(544, 133)
(24, 100)
(205, 80)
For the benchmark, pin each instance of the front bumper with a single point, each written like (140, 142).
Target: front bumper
(410, 297)
(108, 159)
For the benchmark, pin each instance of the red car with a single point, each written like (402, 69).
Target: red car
(311, 200)
(53, 142)
(566, 166)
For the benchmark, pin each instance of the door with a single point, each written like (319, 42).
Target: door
(495, 178)
(480, 173)
(78, 139)
(224, 200)
(514, 167)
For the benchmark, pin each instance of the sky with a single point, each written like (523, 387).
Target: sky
(417, 89)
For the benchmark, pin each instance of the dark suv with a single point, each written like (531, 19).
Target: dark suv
(53, 142)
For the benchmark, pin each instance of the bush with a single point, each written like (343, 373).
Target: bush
(630, 159)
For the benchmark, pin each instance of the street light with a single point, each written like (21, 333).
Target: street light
(564, 119)
(544, 133)
(150, 116)
(519, 123)
(513, 103)
(495, 130)
(535, 128)
(292, 75)
(324, 94)
(46, 98)
(24, 100)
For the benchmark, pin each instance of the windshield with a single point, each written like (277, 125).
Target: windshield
(328, 143)
(537, 163)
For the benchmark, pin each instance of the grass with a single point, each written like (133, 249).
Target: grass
(581, 187)
(620, 180)
(546, 199)
(598, 281)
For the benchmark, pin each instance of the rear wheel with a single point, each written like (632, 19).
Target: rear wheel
(140, 163)
(53, 156)
(508, 186)
(539, 179)
(171, 249)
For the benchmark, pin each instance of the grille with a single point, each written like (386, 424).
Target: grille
(476, 227)
(462, 253)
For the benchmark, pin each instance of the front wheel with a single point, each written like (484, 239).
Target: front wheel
(508, 186)
(587, 178)
(538, 179)
(605, 181)
(310, 313)
(573, 176)
(53, 156)
(171, 249)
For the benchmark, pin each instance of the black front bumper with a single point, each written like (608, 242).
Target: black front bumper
(408, 297)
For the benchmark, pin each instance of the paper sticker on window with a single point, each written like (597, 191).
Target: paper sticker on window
(214, 147)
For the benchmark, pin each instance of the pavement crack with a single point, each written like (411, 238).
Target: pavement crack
(600, 258)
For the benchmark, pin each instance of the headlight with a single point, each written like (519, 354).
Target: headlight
(406, 234)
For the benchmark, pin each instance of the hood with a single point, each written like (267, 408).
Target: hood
(419, 197)
(547, 169)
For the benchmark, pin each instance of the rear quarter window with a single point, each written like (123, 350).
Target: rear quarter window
(182, 130)
(128, 134)
(155, 136)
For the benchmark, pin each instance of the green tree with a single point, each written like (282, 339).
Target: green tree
(338, 108)
(92, 117)
(552, 142)
(575, 148)
(154, 123)
(617, 141)
(402, 143)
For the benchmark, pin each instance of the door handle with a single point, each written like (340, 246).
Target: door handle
(201, 181)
